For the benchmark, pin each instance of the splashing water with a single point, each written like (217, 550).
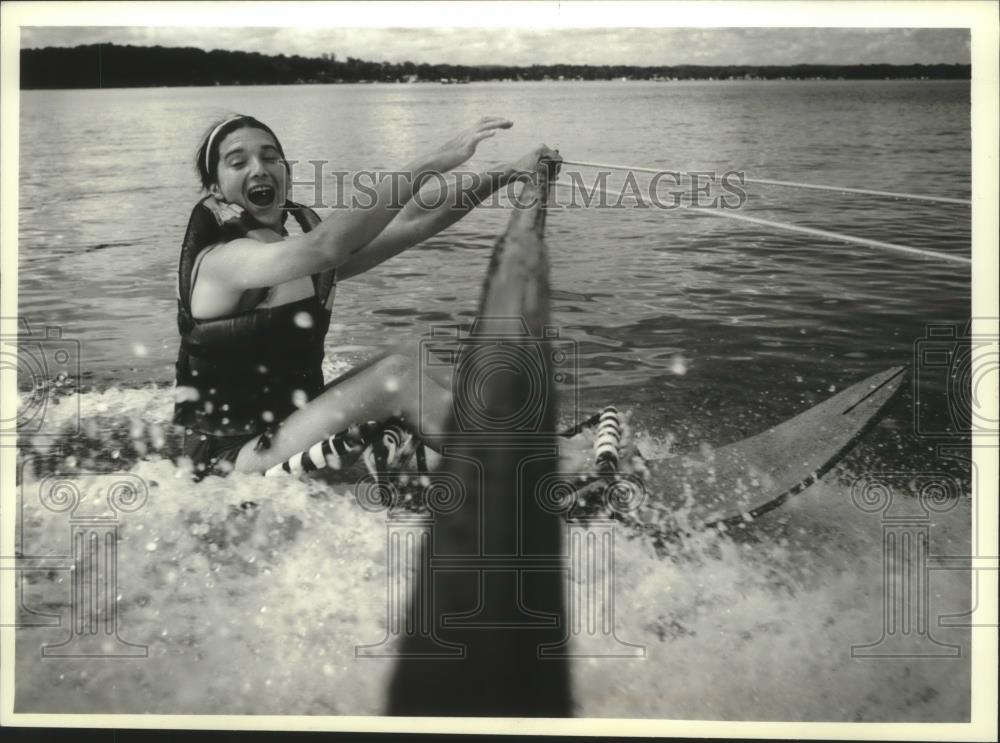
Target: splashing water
(258, 609)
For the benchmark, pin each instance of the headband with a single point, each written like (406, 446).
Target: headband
(211, 137)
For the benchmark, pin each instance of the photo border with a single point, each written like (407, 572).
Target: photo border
(980, 17)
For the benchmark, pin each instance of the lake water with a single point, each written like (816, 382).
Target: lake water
(706, 330)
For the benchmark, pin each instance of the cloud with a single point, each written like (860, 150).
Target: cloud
(526, 46)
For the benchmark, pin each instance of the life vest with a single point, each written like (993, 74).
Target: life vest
(245, 373)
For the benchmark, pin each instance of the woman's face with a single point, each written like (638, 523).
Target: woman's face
(251, 173)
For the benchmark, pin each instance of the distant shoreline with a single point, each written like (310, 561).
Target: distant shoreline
(97, 66)
(504, 82)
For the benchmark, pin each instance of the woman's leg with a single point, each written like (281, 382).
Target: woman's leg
(384, 388)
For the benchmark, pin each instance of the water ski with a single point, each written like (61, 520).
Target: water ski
(724, 485)
(709, 486)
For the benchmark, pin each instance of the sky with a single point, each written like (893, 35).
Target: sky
(525, 46)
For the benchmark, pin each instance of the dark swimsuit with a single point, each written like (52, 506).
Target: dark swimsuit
(212, 455)
(238, 377)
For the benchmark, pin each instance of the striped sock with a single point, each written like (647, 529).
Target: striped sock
(334, 452)
(609, 436)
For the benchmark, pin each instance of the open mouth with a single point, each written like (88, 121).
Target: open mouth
(261, 195)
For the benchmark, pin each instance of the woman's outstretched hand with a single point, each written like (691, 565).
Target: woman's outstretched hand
(457, 150)
(528, 164)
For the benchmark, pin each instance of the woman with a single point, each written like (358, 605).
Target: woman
(254, 304)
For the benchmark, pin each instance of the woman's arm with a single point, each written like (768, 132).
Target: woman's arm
(268, 260)
(433, 211)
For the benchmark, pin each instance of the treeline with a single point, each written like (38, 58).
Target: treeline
(114, 66)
